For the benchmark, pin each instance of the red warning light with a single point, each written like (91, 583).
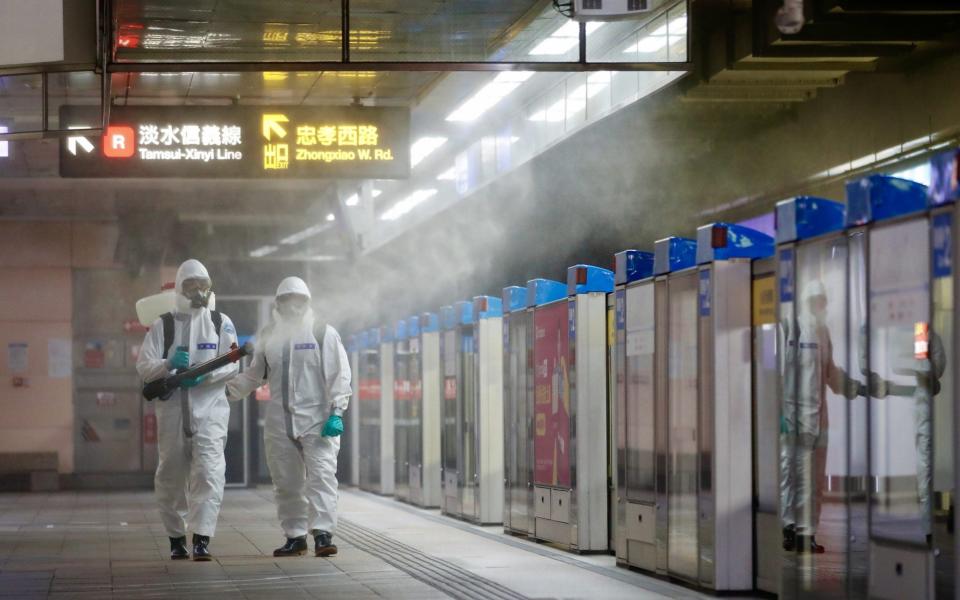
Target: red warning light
(128, 41)
(118, 142)
(718, 236)
(581, 276)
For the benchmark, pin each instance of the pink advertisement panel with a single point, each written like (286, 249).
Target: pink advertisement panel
(551, 446)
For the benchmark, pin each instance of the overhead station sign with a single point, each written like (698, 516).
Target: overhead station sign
(242, 142)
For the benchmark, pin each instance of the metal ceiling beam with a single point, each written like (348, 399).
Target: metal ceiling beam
(241, 220)
(830, 51)
(797, 65)
(410, 66)
(894, 6)
(876, 29)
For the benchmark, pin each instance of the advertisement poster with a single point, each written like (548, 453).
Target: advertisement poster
(369, 379)
(552, 399)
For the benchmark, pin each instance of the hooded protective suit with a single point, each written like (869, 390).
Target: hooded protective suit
(192, 424)
(307, 385)
(920, 380)
(808, 370)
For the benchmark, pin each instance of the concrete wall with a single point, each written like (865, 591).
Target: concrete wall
(37, 262)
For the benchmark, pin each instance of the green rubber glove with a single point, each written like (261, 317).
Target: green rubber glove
(181, 359)
(189, 383)
(333, 427)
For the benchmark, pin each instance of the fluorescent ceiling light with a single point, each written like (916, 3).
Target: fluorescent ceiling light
(407, 204)
(4, 146)
(489, 95)
(554, 46)
(424, 147)
(919, 174)
(648, 44)
(263, 251)
(563, 40)
(352, 200)
(448, 175)
(302, 235)
(331, 217)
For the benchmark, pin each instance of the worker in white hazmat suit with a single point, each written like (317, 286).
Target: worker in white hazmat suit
(928, 371)
(808, 370)
(308, 372)
(915, 364)
(192, 423)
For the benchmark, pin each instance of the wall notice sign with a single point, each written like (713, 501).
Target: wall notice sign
(241, 142)
(17, 357)
(59, 358)
(764, 301)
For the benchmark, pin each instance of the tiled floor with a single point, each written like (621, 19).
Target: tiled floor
(111, 545)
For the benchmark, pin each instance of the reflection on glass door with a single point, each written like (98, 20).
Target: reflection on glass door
(639, 347)
(942, 473)
(516, 415)
(909, 357)
(370, 419)
(816, 393)
(682, 402)
(468, 398)
(450, 439)
(414, 430)
(402, 416)
(766, 427)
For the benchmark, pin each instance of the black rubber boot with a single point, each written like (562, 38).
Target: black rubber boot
(200, 550)
(790, 538)
(294, 547)
(323, 544)
(808, 545)
(178, 548)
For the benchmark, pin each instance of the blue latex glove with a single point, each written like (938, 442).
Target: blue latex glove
(189, 383)
(181, 359)
(333, 427)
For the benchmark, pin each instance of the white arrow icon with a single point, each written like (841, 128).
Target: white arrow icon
(79, 139)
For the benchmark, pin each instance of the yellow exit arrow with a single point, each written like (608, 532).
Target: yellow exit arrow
(271, 124)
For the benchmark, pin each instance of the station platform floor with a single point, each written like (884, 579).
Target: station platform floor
(98, 545)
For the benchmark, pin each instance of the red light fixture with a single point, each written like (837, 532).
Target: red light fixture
(128, 41)
(718, 237)
(581, 275)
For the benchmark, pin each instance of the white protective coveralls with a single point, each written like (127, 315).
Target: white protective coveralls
(808, 370)
(920, 379)
(192, 424)
(303, 394)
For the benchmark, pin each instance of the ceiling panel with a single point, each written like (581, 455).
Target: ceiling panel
(310, 30)
(170, 30)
